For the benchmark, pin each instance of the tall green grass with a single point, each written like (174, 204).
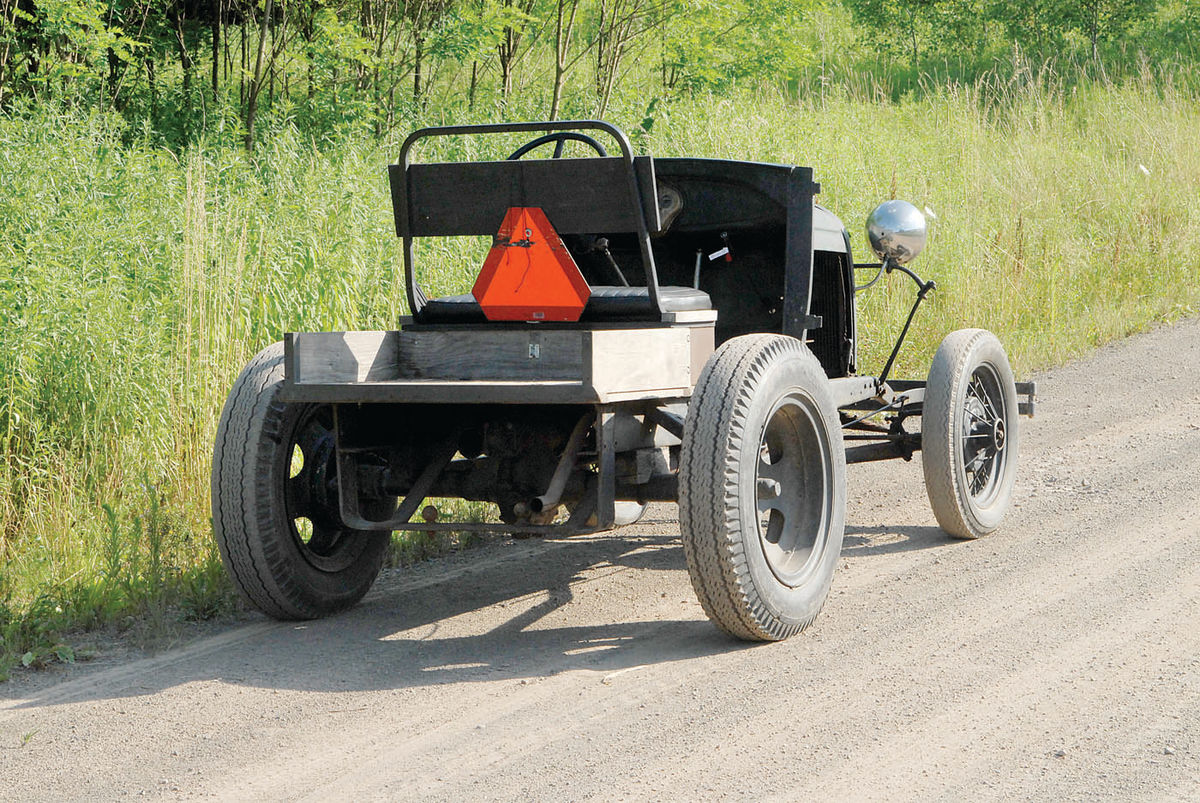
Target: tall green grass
(135, 282)
(1063, 219)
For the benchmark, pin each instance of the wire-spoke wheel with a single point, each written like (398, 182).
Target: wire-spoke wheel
(762, 488)
(275, 502)
(969, 433)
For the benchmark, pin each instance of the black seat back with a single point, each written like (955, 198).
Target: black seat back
(579, 196)
(599, 195)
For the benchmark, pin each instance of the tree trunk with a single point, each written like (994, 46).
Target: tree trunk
(307, 32)
(217, 10)
(601, 37)
(114, 78)
(257, 81)
(9, 16)
(271, 70)
(185, 61)
(418, 52)
(562, 45)
(153, 86)
(912, 33)
(242, 75)
(507, 50)
(612, 37)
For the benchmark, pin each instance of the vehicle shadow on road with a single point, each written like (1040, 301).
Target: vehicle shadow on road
(527, 610)
(885, 540)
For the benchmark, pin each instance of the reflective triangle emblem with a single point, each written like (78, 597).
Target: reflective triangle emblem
(529, 275)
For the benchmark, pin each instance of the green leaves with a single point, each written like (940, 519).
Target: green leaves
(923, 31)
(714, 44)
(82, 36)
(472, 30)
(45, 654)
(333, 68)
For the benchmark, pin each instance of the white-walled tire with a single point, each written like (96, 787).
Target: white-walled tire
(762, 487)
(969, 433)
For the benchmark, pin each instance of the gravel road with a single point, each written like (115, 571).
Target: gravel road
(1057, 659)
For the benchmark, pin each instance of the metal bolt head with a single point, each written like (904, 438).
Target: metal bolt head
(769, 488)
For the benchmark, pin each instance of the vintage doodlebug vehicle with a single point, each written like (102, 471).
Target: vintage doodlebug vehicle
(641, 330)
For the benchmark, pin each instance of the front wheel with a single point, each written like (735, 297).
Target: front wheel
(275, 502)
(969, 433)
(762, 487)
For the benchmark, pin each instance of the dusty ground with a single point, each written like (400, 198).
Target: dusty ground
(1058, 659)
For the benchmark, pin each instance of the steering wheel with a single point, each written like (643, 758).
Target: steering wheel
(560, 138)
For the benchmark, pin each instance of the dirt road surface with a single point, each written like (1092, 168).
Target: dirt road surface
(1058, 659)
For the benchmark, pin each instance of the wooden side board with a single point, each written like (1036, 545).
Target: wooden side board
(510, 366)
(500, 355)
(341, 357)
(627, 363)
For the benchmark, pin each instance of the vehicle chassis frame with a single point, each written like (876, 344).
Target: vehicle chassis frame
(363, 372)
(410, 365)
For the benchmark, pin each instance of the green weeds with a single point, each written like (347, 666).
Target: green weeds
(410, 548)
(147, 575)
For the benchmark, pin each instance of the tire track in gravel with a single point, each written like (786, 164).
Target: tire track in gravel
(1012, 601)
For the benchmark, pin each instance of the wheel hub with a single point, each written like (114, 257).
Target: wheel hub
(793, 489)
(998, 434)
(984, 432)
(768, 488)
(322, 481)
(311, 498)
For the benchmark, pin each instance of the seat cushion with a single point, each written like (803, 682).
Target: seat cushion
(605, 304)
(452, 309)
(633, 303)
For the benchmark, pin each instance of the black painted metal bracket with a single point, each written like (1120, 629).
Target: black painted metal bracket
(924, 288)
(797, 282)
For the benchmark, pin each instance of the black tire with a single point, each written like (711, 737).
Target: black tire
(261, 502)
(762, 487)
(969, 433)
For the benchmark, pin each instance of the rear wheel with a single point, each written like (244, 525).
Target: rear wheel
(275, 502)
(762, 488)
(969, 433)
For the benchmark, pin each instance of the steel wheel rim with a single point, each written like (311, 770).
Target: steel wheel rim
(310, 493)
(984, 435)
(793, 488)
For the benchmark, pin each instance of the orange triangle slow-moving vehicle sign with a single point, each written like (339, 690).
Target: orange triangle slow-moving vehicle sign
(528, 274)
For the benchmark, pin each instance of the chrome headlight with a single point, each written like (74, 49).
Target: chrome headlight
(896, 231)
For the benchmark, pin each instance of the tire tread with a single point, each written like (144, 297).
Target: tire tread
(261, 561)
(939, 459)
(715, 431)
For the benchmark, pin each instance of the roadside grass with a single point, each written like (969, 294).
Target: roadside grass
(1064, 218)
(136, 282)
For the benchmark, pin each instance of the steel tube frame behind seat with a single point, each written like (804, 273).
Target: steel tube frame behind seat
(417, 298)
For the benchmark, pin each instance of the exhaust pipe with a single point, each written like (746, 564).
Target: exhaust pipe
(562, 472)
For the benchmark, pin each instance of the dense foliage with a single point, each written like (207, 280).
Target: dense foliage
(183, 68)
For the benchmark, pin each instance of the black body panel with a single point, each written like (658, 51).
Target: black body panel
(749, 226)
